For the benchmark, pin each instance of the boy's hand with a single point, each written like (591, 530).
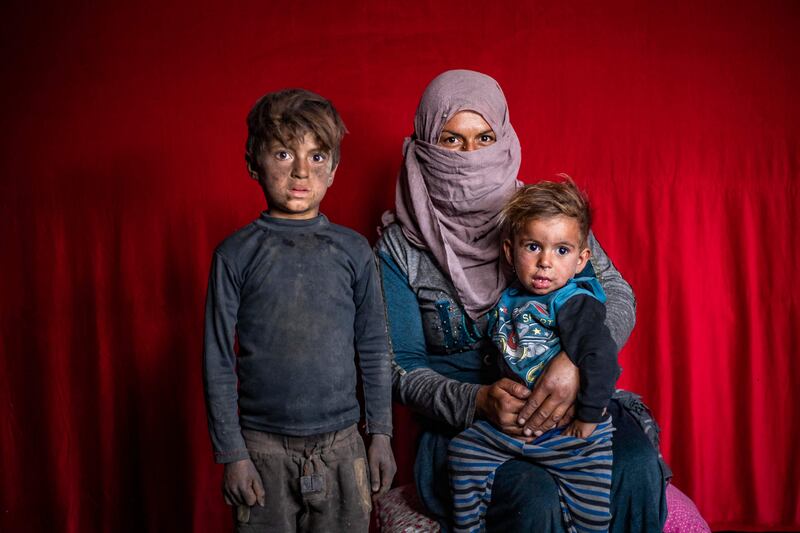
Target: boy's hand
(381, 463)
(241, 484)
(579, 429)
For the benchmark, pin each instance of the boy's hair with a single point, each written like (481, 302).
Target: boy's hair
(286, 116)
(547, 199)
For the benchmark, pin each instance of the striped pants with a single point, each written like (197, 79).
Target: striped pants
(581, 468)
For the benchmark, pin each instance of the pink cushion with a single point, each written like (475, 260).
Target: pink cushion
(682, 514)
(400, 511)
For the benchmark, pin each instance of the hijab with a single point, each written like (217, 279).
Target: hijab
(449, 202)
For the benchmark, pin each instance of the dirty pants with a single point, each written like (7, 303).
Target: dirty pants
(314, 483)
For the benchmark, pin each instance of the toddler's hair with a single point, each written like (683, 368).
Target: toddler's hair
(286, 116)
(547, 199)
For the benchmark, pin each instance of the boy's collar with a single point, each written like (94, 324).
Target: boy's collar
(293, 222)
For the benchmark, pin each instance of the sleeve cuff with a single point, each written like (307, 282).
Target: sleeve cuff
(231, 457)
(591, 414)
(472, 408)
(374, 428)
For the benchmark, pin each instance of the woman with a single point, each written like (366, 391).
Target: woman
(441, 269)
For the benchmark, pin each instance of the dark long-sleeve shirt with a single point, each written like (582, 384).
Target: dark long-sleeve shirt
(302, 297)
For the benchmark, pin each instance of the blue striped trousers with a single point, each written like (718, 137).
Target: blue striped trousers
(581, 468)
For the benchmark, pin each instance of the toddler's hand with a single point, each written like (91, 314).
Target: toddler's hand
(580, 429)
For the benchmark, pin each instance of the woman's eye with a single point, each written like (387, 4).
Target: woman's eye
(487, 139)
(448, 140)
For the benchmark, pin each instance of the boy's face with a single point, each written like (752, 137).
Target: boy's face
(546, 253)
(295, 178)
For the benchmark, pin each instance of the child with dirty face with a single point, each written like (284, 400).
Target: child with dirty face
(302, 298)
(552, 305)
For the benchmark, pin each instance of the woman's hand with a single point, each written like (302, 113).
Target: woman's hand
(500, 403)
(552, 400)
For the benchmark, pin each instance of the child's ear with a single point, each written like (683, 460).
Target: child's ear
(583, 259)
(253, 172)
(333, 173)
(508, 251)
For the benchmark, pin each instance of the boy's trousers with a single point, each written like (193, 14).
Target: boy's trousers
(315, 483)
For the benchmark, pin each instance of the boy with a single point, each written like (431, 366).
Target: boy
(547, 310)
(301, 296)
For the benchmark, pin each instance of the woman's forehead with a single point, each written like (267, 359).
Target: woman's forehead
(433, 113)
(467, 118)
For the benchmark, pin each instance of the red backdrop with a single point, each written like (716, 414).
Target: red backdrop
(122, 167)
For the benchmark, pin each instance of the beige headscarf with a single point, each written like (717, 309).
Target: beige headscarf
(449, 202)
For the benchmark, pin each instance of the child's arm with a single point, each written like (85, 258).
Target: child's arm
(372, 344)
(241, 482)
(589, 345)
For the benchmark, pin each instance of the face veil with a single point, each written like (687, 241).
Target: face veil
(449, 202)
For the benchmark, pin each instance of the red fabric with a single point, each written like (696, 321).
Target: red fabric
(122, 168)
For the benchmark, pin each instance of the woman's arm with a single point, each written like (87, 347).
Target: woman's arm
(621, 303)
(413, 381)
(423, 389)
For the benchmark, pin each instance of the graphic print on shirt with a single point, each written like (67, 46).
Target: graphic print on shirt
(524, 325)
(532, 323)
